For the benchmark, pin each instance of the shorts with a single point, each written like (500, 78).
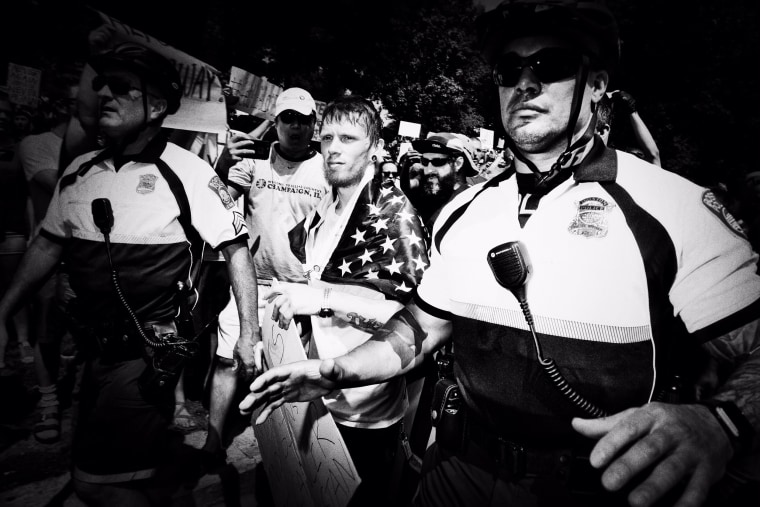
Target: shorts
(229, 326)
(119, 436)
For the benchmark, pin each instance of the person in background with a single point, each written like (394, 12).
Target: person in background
(130, 208)
(617, 105)
(14, 225)
(447, 163)
(279, 190)
(583, 292)
(364, 249)
(39, 154)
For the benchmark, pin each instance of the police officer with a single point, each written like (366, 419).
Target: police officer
(569, 377)
(125, 219)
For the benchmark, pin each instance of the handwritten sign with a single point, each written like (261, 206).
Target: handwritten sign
(203, 107)
(304, 455)
(23, 85)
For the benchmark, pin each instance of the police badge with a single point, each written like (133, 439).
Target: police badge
(591, 218)
(147, 183)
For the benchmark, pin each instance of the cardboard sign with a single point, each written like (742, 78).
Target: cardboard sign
(23, 85)
(409, 129)
(203, 108)
(257, 95)
(306, 461)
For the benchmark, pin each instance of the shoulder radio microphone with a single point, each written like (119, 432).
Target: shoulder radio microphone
(510, 268)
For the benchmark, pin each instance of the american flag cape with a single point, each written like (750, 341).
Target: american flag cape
(383, 246)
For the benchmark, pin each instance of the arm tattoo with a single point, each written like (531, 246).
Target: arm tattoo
(404, 334)
(363, 323)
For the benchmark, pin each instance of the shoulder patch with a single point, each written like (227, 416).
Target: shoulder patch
(712, 203)
(218, 186)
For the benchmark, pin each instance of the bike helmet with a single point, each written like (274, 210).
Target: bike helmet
(150, 66)
(587, 23)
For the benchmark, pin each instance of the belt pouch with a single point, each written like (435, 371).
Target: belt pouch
(447, 414)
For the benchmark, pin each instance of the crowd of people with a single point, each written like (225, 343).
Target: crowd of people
(591, 319)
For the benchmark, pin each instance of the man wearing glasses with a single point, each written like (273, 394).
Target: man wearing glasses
(446, 163)
(279, 190)
(573, 381)
(125, 219)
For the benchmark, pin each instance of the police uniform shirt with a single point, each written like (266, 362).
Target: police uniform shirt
(148, 244)
(624, 257)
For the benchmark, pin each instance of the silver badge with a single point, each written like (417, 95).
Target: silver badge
(591, 219)
(147, 183)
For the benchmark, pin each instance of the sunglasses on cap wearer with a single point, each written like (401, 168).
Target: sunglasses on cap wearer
(436, 162)
(117, 85)
(549, 65)
(291, 116)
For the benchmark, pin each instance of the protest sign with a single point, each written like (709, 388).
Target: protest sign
(486, 137)
(409, 129)
(306, 461)
(203, 107)
(23, 85)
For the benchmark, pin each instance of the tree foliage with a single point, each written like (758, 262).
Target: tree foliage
(691, 64)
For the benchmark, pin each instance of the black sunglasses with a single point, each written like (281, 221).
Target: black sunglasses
(548, 64)
(293, 116)
(436, 162)
(117, 85)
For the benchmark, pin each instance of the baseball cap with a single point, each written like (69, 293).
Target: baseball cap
(297, 99)
(448, 144)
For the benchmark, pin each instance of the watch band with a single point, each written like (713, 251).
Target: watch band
(326, 311)
(739, 430)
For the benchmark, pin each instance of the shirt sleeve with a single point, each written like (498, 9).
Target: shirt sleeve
(37, 156)
(215, 214)
(717, 277)
(433, 290)
(241, 174)
(54, 225)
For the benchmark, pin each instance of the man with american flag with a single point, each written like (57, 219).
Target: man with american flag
(364, 250)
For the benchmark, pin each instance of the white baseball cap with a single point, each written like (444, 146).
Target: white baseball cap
(297, 99)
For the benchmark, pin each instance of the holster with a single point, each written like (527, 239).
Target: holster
(447, 414)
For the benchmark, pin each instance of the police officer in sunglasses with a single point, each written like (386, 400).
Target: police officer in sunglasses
(127, 219)
(587, 293)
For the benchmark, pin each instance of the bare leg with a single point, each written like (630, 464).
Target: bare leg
(223, 383)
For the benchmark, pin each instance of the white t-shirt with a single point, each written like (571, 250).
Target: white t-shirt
(280, 193)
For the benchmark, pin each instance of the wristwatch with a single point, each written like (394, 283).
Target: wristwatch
(326, 311)
(739, 430)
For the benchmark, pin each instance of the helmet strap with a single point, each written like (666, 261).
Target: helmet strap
(544, 179)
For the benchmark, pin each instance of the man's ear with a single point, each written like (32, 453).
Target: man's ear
(458, 164)
(157, 107)
(598, 81)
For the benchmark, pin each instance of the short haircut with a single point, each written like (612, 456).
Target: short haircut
(358, 111)
(604, 113)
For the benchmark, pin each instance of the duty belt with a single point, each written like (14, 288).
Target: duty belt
(512, 459)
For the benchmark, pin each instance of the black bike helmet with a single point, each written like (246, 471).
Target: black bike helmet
(586, 23)
(150, 66)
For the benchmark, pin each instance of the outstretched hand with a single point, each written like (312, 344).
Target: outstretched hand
(299, 381)
(674, 445)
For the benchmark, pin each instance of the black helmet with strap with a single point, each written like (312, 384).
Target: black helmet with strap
(150, 66)
(587, 24)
